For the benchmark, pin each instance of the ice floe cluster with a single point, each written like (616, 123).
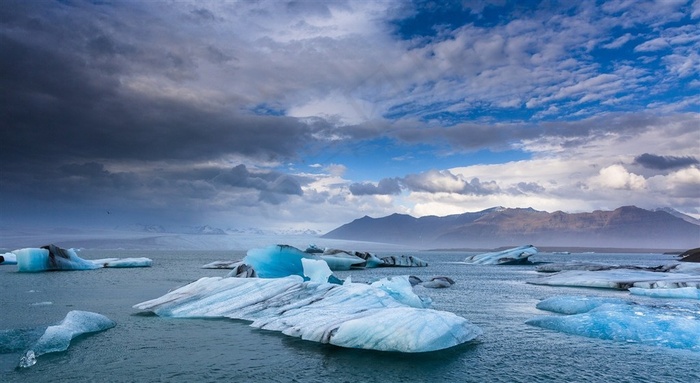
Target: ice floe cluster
(336, 259)
(672, 280)
(297, 294)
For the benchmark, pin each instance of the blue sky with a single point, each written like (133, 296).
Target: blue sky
(307, 114)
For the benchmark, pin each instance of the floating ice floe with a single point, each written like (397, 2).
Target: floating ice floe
(433, 283)
(680, 292)
(619, 279)
(675, 326)
(384, 316)
(514, 256)
(37, 342)
(299, 296)
(123, 262)
(51, 258)
(8, 259)
(221, 265)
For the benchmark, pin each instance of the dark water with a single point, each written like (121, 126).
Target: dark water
(146, 348)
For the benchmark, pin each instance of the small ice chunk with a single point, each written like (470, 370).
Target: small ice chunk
(516, 255)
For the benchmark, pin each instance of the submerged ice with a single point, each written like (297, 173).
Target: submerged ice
(40, 341)
(668, 325)
(516, 255)
(385, 315)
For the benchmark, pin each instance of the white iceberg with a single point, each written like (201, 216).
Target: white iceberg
(8, 259)
(57, 338)
(221, 265)
(385, 316)
(680, 292)
(123, 262)
(342, 261)
(619, 279)
(675, 326)
(402, 261)
(514, 256)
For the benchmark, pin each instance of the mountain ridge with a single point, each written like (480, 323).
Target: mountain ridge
(626, 226)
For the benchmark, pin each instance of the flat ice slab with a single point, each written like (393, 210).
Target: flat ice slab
(619, 279)
(54, 258)
(384, 316)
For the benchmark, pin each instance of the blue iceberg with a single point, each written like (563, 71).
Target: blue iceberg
(384, 316)
(280, 261)
(55, 338)
(49, 258)
(53, 258)
(674, 326)
(514, 256)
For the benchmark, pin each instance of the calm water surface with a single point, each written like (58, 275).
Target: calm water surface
(146, 348)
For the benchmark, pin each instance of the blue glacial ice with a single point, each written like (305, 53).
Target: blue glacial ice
(384, 316)
(514, 256)
(55, 338)
(280, 261)
(668, 325)
(52, 258)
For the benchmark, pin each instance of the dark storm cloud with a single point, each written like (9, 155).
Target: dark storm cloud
(652, 161)
(386, 186)
(274, 187)
(67, 98)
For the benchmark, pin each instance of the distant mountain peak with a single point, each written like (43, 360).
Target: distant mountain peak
(624, 227)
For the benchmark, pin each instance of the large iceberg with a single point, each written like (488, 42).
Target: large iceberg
(675, 326)
(514, 256)
(51, 258)
(384, 316)
(55, 338)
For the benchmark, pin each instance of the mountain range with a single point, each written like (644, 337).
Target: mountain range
(624, 227)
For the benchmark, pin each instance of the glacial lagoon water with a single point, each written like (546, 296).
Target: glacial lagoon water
(147, 348)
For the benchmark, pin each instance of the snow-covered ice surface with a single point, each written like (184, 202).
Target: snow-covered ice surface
(40, 341)
(384, 316)
(667, 325)
(512, 256)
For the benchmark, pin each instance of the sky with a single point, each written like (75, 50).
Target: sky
(309, 114)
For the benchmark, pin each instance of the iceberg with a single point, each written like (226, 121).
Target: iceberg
(49, 258)
(403, 261)
(280, 261)
(384, 316)
(8, 259)
(242, 270)
(619, 279)
(54, 338)
(342, 261)
(514, 256)
(433, 283)
(221, 265)
(674, 326)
